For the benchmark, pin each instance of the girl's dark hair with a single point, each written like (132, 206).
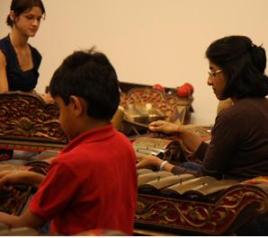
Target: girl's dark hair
(20, 6)
(243, 64)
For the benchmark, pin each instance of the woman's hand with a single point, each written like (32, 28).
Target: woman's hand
(189, 139)
(149, 162)
(152, 162)
(165, 127)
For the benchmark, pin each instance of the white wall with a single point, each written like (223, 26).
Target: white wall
(148, 41)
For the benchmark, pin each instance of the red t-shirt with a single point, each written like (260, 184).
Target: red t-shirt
(92, 184)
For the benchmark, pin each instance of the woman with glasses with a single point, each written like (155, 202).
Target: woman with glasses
(19, 61)
(239, 142)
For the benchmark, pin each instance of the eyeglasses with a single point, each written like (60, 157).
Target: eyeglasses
(214, 73)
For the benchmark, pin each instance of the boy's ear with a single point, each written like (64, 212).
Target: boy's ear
(78, 106)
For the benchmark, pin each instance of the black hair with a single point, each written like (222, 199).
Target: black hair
(20, 6)
(243, 65)
(91, 76)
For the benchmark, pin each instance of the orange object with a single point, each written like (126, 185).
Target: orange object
(159, 87)
(185, 90)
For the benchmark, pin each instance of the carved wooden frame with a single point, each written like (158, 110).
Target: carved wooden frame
(27, 122)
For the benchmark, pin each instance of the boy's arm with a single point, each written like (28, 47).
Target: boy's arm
(27, 219)
(23, 176)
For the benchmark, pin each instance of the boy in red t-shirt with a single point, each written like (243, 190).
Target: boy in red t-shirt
(92, 183)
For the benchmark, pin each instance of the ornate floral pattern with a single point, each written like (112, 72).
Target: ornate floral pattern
(26, 116)
(199, 217)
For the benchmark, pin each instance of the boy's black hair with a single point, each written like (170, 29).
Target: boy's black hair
(243, 65)
(91, 76)
(20, 6)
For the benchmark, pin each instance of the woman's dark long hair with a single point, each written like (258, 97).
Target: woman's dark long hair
(243, 64)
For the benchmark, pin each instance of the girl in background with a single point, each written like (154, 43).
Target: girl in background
(19, 61)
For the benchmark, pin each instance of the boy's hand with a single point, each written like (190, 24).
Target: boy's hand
(20, 176)
(10, 177)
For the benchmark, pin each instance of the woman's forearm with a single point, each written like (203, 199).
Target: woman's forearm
(190, 140)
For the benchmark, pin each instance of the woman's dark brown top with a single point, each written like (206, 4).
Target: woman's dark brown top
(239, 142)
